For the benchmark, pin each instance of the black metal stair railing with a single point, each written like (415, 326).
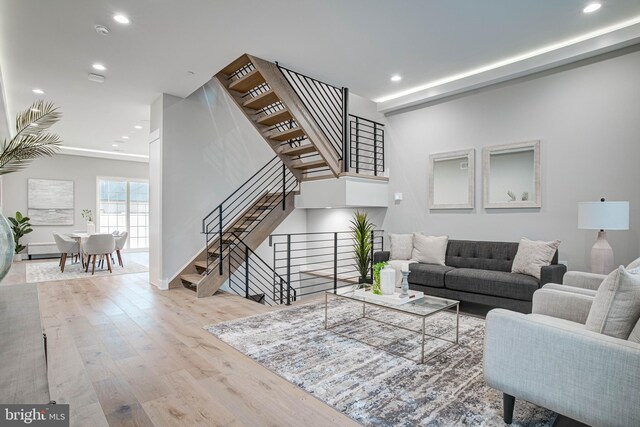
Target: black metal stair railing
(245, 208)
(253, 278)
(327, 104)
(312, 263)
(366, 145)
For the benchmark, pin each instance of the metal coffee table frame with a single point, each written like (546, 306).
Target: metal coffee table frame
(397, 308)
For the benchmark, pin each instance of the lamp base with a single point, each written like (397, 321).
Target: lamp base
(602, 255)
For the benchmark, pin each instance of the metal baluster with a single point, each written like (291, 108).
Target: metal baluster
(284, 189)
(345, 129)
(246, 271)
(357, 145)
(289, 269)
(221, 267)
(375, 150)
(335, 261)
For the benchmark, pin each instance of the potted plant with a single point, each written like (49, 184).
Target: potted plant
(361, 232)
(19, 226)
(87, 215)
(30, 141)
(376, 289)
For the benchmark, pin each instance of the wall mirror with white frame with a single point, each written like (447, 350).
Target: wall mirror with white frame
(452, 180)
(511, 175)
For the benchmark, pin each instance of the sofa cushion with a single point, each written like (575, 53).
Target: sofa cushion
(429, 249)
(495, 283)
(428, 274)
(616, 306)
(496, 256)
(532, 255)
(400, 246)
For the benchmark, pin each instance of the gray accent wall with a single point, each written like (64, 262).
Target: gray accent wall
(83, 171)
(588, 121)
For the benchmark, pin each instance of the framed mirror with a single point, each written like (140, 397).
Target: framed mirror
(511, 175)
(452, 179)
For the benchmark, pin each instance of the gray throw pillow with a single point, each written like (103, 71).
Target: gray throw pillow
(616, 306)
(429, 249)
(532, 255)
(401, 246)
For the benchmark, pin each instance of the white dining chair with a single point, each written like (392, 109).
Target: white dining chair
(121, 240)
(66, 246)
(99, 245)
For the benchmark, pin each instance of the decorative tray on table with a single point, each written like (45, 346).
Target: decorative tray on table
(390, 299)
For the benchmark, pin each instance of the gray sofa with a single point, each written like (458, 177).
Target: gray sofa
(480, 272)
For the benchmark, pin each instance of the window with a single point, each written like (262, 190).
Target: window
(123, 205)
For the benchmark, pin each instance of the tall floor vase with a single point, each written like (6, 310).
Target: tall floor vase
(7, 246)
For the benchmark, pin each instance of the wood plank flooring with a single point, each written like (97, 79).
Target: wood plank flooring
(124, 353)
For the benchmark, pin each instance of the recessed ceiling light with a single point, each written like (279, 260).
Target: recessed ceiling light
(121, 19)
(591, 7)
(137, 127)
(38, 91)
(114, 145)
(98, 66)
(125, 137)
(396, 78)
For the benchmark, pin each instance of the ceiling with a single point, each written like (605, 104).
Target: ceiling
(356, 43)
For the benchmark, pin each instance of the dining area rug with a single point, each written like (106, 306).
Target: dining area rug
(50, 271)
(370, 384)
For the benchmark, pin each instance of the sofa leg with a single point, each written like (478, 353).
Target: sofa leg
(508, 402)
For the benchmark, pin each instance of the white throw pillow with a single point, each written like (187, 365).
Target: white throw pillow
(401, 246)
(429, 249)
(616, 306)
(532, 255)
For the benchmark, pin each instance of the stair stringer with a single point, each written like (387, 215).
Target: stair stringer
(212, 282)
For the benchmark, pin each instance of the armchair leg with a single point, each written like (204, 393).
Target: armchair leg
(508, 402)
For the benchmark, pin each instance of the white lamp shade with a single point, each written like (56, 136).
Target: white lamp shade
(603, 215)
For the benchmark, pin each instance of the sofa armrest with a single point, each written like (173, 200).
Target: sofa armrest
(381, 256)
(561, 304)
(552, 273)
(581, 279)
(581, 374)
(571, 289)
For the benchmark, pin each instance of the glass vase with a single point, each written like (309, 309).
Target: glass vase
(7, 246)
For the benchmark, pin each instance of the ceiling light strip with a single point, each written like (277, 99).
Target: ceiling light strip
(514, 59)
(111, 153)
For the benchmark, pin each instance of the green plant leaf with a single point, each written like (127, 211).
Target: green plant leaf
(18, 216)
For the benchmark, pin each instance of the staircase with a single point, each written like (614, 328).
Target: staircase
(306, 123)
(270, 103)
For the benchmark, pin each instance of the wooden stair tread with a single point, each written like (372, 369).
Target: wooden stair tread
(191, 278)
(202, 264)
(263, 100)
(286, 134)
(236, 65)
(246, 82)
(297, 151)
(275, 118)
(308, 165)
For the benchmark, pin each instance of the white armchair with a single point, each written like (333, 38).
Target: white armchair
(66, 246)
(549, 358)
(99, 245)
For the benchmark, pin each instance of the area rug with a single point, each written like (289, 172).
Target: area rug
(373, 386)
(50, 271)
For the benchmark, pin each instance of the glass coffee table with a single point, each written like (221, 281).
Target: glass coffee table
(422, 308)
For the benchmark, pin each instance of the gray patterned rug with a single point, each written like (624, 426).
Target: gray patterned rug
(370, 385)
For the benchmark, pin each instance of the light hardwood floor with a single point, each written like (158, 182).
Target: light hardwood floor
(124, 353)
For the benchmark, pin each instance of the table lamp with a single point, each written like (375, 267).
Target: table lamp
(603, 216)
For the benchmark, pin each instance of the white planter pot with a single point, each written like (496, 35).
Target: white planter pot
(91, 228)
(17, 258)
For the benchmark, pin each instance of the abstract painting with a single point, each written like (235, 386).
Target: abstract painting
(50, 202)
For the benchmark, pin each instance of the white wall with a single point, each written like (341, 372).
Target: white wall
(83, 171)
(208, 150)
(587, 121)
